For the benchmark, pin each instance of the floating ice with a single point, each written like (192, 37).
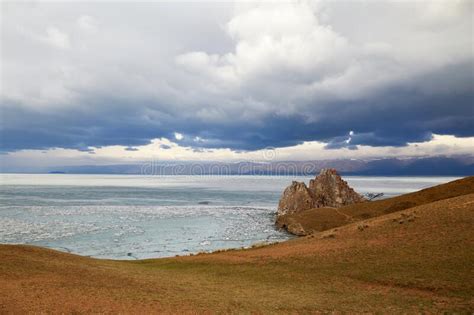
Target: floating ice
(114, 216)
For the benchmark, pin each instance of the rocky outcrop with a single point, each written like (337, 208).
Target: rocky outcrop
(296, 228)
(296, 197)
(328, 189)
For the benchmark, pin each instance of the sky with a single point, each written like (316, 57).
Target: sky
(113, 82)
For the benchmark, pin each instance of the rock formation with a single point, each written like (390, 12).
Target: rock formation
(296, 197)
(328, 189)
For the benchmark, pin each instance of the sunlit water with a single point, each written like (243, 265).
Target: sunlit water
(130, 217)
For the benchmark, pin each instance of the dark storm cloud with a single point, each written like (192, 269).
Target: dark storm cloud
(88, 80)
(392, 118)
(25, 128)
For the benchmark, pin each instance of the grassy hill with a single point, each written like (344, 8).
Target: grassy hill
(416, 259)
(320, 219)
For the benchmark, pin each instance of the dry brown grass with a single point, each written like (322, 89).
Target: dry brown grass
(423, 264)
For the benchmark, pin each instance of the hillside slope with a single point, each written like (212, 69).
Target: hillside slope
(320, 219)
(404, 262)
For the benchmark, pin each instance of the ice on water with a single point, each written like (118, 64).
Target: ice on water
(130, 217)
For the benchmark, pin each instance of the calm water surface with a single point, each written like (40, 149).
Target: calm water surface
(133, 216)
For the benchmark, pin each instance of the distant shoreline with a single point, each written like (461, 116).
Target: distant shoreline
(461, 165)
(235, 175)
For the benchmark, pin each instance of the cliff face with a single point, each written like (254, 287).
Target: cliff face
(328, 189)
(296, 197)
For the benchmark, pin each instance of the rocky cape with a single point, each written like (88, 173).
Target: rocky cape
(327, 190)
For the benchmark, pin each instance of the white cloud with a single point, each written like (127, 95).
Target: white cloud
(286, 58)
(57, 38)
(87, 23)
(283, 37)
(281, 57)
(279, 50)
(445, 145)
(439, 14)
(178, 136)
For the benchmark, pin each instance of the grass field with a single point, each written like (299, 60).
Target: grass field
(413, 260)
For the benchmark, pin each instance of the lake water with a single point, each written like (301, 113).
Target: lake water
(131, 217)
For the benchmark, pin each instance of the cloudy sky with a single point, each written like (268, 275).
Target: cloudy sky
(110, 82)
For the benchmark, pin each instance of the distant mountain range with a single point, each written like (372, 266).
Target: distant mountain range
(427, 166)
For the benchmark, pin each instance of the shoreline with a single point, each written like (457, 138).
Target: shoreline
(326, 272)
(144, 229)
(307, 220)
(407, 261)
